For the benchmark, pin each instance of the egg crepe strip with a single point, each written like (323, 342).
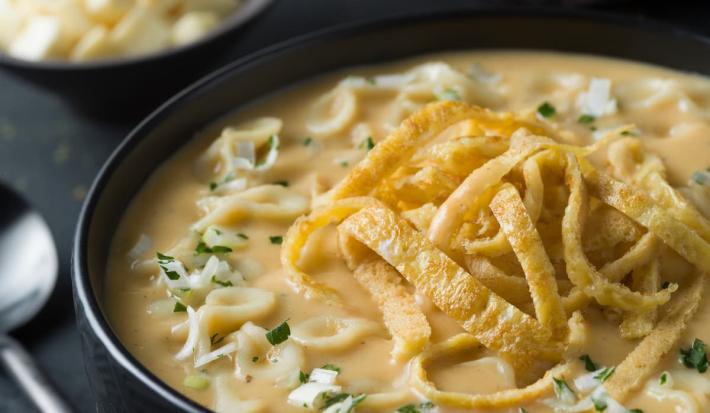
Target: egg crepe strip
(498, 400)
(579, 270)
(645, 279)
(508, 208)
(299, 233)
(512, 288)
(403, 318)
(677, 235)
(640, 364)
(519, 338)
(414, 132)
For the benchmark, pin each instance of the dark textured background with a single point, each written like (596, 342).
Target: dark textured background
(51, 153)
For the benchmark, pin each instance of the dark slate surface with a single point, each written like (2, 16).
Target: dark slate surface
(51, 153)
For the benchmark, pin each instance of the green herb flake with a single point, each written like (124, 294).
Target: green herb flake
(216, 231)
(600, 404)
(196, 382)
(331, 398)
(344, 164)
(449, 94)
(588, 363)
(629, 133)
(665, 285)
(562, 389)
(255, 359)
(408, 408)
(303, 377)
(220, 282)
(213, 338)
(283, 183)
(202, 248)
(522, 410)
(636, 411)
(308, 141)
(164, 259)
(279, 334)
(242, 235)
(586, 119)
(695, 357)
(331, 367)
(276, 239)
(213, 185)
(546, 110)
(663, 379)
(367, 143)
(604, 375)
(179, 307)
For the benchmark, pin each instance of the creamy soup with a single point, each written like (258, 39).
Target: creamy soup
(543, 254)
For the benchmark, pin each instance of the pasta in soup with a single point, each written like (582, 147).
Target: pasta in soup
(498, 231)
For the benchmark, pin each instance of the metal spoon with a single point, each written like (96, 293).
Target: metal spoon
(28, 271)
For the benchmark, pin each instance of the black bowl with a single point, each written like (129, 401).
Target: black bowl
(120, 383)
(122, 87)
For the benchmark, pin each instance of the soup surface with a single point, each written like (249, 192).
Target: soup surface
(213, 287)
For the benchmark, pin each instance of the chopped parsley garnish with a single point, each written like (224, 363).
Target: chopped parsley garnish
(604, 375)
(562, 390)
(332, 398)
(588, 363)
(663, 379)
(308, 141)
(331, 367)
(344, 164)
(179, 307)
(367, 143)
(695, 356)
(600, 404)
(164, 259)
(279, 334)
(413, 408)
(276, 239)
(636, 411)
(242, 235)
(222, 283)
(255, 359)
(213, 185)
(546, 110)
(303, 377)
(202, 248)
(629, 133)
(282, 183)
(586, 119)
(448, 94)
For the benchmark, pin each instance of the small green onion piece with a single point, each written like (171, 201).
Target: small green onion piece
(586, 119)
(308, 141)
(196, 382)
(303, 377)
(242, 235)
(588, 363)
(663, 379)
(220, 282)
(179, 307)
(279, 334)
(283, 183)
(367, 143)
(599, 404)
(213, 185)
(276, 239)
(331, 367)
(605, 374)
(636, 411)
(546, 110)
(695, 357)
(255, 359)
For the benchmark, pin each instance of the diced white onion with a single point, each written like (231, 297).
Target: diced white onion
(193, 320)
(597, 100)
(308, 394)
(246, 156)
(223, 351)
(323, 376)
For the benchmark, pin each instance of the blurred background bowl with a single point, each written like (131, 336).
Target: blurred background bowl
(124, 86)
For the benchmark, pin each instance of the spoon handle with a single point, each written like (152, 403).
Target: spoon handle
(21, 366)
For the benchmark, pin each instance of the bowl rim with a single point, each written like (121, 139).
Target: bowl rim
(88, 303)
(246, 12)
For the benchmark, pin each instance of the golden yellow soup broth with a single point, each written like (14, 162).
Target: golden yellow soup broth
(671, 114)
